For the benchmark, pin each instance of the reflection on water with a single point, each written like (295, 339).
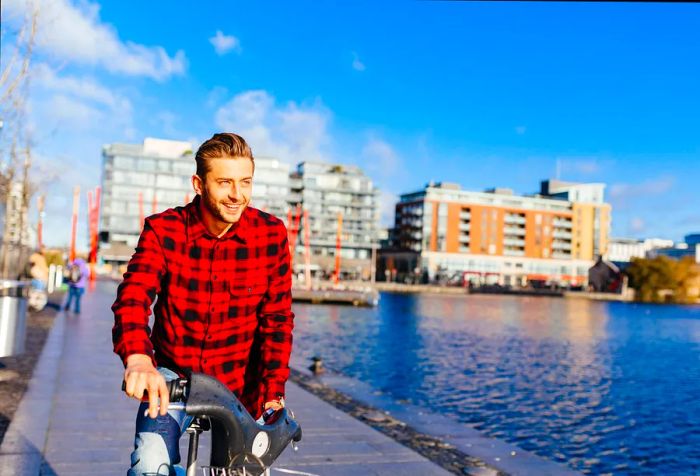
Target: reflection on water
(602, 387)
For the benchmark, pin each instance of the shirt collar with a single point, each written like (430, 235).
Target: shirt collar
(196, 228)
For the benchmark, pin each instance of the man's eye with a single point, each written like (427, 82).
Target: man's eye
(224, 182)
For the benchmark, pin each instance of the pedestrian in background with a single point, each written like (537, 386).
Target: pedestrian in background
(78, 274)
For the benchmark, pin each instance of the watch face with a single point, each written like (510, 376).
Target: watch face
(261, 443)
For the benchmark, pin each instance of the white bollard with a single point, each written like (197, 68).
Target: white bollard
(59, 277)
(52, 279)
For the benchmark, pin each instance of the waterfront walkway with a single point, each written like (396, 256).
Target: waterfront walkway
(73, 420)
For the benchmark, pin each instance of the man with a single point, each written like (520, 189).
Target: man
(221, 272)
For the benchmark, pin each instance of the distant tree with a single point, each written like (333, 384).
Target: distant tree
(663, 279)
(686, 274)
(54, 257)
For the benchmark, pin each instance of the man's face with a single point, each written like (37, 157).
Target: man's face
(226, 188)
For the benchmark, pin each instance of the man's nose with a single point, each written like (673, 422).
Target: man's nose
(235, 193)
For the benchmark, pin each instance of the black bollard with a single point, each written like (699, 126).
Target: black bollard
(317, 366)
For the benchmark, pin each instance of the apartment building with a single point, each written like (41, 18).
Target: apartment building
(622, 250)
(498, 237)
(332, 193)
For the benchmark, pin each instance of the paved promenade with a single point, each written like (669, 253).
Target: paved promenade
(73, 420)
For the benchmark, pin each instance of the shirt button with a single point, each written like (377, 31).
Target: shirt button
(214, 277)
(250, 290)
(208, 337)
(213, 309)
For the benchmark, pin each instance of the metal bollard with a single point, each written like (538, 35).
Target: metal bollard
(13, 316)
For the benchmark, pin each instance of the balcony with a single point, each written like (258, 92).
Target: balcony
(514, 242)
(464, 226)
(563, 223)
(514, 230)
(464, 238)
(562, 234)
(561, 245)
(513, 252)
(517, 219)
(465, 216)
(560, 255)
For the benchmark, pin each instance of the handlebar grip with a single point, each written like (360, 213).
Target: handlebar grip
(177, 389)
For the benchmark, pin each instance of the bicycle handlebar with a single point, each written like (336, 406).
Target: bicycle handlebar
(234, 431)
(177, 389)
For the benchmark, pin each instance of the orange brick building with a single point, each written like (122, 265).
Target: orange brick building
(498, 237)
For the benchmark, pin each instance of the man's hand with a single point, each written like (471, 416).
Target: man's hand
(274, 404)
(140, 375)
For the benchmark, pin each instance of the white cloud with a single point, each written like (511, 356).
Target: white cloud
(387, 208)
(167, 121)
(357, 65)
(580, 165)
(70, 112)
(381, 158)
(84, 87)
(216, 96)
(637, 225)
(658, 186)
(77, 102)
(225, 43)
(292, 133)
(75, 33)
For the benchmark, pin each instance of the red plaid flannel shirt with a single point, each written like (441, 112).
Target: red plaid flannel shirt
(224, 304)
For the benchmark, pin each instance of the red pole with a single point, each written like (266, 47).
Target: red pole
(295, 233)
(94, 207)
(90, 206)
(74, 223)
(40, 224)
(91, 232)
(290, 234)
(336, 276)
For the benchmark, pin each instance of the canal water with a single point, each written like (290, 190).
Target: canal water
(601, 387)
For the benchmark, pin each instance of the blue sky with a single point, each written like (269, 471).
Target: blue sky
(482, 94)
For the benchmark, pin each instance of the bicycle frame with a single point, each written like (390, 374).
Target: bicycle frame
(235, 433)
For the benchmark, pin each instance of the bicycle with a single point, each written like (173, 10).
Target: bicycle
(239, 445)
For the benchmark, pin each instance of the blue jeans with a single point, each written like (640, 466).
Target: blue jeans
(157, 440)
(77, 293)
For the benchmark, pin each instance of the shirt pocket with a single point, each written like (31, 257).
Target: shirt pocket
(245, 296)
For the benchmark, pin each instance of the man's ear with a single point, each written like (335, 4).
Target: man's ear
(197, 184)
